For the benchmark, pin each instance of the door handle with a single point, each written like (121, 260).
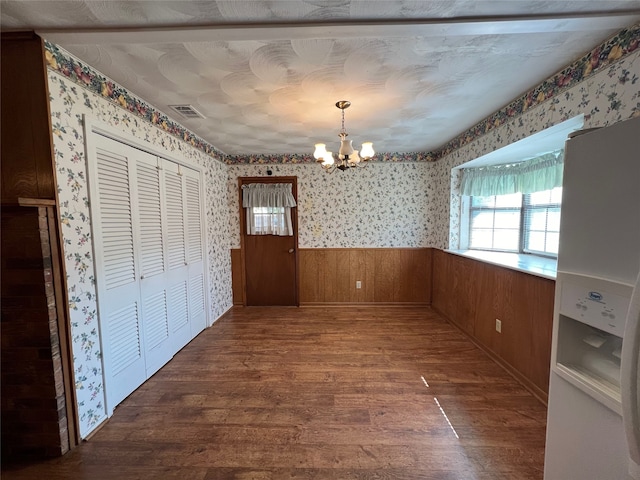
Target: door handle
(291, 250)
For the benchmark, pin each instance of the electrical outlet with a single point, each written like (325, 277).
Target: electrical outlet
(358, 284)
(498, 325)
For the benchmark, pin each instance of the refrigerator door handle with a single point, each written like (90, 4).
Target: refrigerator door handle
(629, 382)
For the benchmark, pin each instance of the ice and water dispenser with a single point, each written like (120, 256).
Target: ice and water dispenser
(590, 320)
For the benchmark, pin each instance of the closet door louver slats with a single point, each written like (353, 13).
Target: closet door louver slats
(175, 220)
(150, 213)
(124, 337)
(178, 302)
(118, 234)
(196, 289)
(193, 219)
(156, 324)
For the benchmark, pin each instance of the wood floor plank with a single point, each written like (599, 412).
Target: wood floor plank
(318, 393)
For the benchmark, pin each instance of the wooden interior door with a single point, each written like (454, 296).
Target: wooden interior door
(270, 261)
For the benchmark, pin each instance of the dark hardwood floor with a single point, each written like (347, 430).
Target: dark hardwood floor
(318, 393)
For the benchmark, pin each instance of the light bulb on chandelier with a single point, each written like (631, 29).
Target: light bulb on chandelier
(348, 157)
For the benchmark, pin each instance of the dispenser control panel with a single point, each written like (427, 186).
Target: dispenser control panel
(595, 306)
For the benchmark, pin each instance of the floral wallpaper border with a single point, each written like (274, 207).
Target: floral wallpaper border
(300, 158)
(622, 44)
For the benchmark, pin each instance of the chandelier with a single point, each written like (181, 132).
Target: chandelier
(347, 156)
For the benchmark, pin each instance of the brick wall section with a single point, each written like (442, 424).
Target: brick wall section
(34, 422)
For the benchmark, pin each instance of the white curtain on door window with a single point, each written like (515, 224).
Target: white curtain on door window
(268, 207)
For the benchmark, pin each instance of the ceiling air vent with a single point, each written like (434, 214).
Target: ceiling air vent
(187, 111)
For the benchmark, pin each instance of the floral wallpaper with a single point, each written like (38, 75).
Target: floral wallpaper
(611, 95)
(380, 205)
(69, 101)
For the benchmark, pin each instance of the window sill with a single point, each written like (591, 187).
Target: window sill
(539, 266)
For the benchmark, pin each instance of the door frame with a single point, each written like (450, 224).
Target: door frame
(243, 227)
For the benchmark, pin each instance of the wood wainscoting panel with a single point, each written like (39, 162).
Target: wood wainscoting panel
(414, 282)
(336, 272)
(387, 275)
(329, 275)
(27, 151)
(488, 308)
(357, 269)
(455, 291)
(539, 294)
(236, 276)
(473, 294)
(312, 278)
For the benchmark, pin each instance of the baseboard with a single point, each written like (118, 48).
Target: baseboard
(536, 391)
(223, 314)
(95, 430)
(364, 304)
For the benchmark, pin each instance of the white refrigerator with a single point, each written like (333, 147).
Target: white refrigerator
(593, 422)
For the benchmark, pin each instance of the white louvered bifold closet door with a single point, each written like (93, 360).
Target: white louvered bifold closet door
(195, 251)
(149, 244)
(153, 282)
(120, 310)
(178, 273)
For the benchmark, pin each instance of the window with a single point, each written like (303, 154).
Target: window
(518, 223)
(541, 214)
(268, 208)
(267, 220)
(495, 222)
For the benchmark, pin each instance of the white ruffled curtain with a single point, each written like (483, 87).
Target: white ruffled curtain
(268, 208)
(535, 175)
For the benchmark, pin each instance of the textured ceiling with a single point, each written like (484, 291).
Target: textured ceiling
(266, 74)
